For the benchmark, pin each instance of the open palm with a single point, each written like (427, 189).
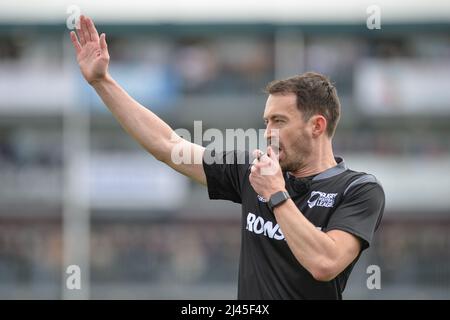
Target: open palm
(92, 51)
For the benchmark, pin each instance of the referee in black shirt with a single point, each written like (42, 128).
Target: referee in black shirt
(305, 224)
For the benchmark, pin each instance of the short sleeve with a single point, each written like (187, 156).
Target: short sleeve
(360, 212)
(225, 173)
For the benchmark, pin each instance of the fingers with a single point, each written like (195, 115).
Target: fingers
(258, 165)
(91, 29)
(84, 28)
(256, 153)
(75, 42)
(81, 36)
(103, 44)
(87, 32)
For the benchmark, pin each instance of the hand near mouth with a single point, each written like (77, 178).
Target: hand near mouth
(266, 177)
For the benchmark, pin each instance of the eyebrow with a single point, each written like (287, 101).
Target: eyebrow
(276, 115)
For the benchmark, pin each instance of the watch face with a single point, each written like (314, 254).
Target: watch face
(278, 198)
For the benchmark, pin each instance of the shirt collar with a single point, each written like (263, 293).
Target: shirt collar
(333, 171)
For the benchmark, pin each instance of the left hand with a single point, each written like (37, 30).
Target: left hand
(266, 176)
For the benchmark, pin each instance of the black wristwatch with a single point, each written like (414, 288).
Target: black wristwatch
(277, 198)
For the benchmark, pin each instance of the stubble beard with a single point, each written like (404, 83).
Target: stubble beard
(295, 158)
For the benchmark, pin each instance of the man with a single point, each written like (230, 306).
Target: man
(306, 216)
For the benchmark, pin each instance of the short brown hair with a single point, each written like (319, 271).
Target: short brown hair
(315, 95)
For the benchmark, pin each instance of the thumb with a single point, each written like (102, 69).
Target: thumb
(270, 152)
(103, 44)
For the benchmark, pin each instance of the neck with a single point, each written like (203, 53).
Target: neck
(318, 161)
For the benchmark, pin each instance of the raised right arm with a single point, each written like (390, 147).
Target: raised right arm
(144, 126)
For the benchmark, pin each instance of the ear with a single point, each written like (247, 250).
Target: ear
(319, 125)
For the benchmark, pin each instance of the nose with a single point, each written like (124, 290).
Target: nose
(271, 135)
(266, 135)
(269, 132)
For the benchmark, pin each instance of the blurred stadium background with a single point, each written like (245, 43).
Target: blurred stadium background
(76, 189)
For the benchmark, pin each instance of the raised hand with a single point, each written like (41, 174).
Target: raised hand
(92, 51)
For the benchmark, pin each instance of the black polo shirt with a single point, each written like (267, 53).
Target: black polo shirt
(337, 198)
